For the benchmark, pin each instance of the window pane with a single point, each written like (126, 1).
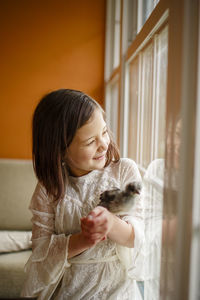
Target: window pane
(160, 92)
(147, 101)
(133, 110)
(145, 8)
(148, 6)
(147, 109)
(116, 45)
(112, 51)
(132, 19)
(146, 106)
(154, 175)
(153, 190)
(112, 95)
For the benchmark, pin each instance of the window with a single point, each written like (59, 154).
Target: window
(154, 87)
(142, 78)
(112, 64)
(147, 101)
(112, 96)
(137, 11)
(113, 26)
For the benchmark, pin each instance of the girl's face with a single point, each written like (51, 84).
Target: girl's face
(88, 148)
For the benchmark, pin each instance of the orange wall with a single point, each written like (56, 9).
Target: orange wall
(45, 45)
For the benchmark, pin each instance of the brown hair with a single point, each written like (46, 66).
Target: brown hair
(56, 119)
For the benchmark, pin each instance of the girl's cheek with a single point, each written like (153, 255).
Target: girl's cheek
(88, 154)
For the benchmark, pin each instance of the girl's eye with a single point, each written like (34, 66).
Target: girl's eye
(90, 143)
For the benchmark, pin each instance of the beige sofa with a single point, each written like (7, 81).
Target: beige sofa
(17, 183)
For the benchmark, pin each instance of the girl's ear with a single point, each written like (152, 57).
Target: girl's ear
(67, 159)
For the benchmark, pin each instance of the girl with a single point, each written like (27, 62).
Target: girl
(80, 250)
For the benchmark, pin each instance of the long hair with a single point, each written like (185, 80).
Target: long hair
(56, 119)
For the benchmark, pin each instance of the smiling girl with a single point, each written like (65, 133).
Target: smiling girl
(78, 245)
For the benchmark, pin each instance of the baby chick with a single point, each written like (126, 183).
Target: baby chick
(117, 201)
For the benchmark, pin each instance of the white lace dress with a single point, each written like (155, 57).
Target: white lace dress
(105, 271)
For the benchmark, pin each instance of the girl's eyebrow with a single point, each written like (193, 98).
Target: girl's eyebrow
(93, 136)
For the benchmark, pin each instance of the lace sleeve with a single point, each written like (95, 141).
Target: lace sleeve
(50, 250)
(129, 172)
(133, 258)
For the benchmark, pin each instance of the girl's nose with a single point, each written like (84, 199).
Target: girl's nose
(103, 145)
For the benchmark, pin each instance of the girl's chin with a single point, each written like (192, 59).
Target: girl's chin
(99, 163)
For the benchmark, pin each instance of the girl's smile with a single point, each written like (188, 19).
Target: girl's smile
(100, 157)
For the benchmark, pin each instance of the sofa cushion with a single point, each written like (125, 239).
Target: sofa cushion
(11, 241)
(17, 183)
(12, 275)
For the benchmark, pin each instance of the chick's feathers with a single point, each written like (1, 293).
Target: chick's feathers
(117, 200)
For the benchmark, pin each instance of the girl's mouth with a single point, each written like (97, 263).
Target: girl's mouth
(99, 157)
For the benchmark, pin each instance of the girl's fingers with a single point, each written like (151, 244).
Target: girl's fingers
(96, 212)
(94, 236)
(98, 229)
(95, 218)
(90, 223)
(97, 222)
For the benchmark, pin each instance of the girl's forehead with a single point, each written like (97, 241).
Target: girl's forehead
(92, 127)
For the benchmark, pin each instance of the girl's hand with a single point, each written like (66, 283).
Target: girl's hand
(97, 224)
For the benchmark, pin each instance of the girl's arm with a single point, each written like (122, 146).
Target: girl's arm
(79, 242)
(101, 222)
(122, 232)
(95, 227)
(43, 230)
